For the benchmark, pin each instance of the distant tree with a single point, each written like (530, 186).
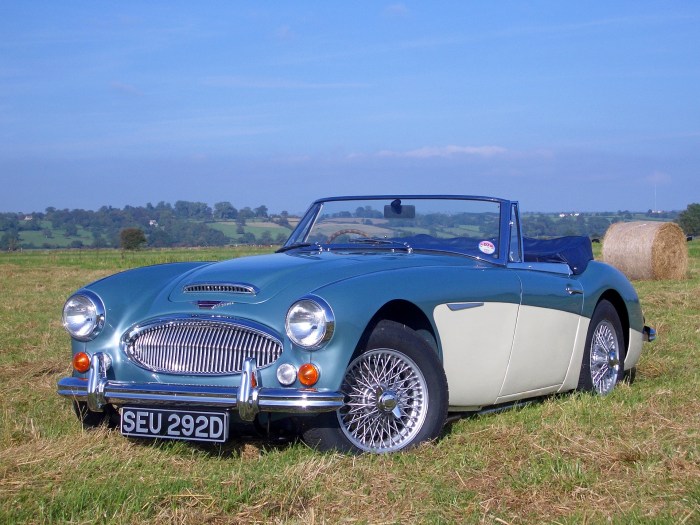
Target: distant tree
(597, 226)
(192, 210)
(224, 210)
(261, 211)
(182, 209)
(159, 239)
(246, 213)
(98, 241)
(71, 230)
(266, 237)
(8, 222)
(132, 238)
(10, 241)
(284, 220)
(248, 238)
(689, 220)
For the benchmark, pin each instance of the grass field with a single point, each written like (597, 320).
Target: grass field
(632, 457)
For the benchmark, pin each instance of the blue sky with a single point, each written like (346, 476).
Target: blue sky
(586, 106)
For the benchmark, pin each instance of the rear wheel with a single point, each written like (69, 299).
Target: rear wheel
(604, 355)
(395, 396)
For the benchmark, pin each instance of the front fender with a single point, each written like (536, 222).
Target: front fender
(356, 301)
(599, 279)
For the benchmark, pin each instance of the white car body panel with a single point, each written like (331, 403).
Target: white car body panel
(635, 349)
(476, 345)
(542, 348)
(574, 372)
(496, 353)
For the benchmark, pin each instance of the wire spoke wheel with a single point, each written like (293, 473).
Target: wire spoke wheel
(605, 358)
(603, 362)
(386, 401)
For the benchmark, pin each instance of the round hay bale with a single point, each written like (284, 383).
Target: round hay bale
(647, 250)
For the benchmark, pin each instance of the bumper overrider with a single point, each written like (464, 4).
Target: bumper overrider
(248, 399)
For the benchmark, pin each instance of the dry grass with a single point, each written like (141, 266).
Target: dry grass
(632, 457)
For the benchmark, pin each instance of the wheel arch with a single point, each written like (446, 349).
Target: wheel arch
(406, 313)
(614, 298)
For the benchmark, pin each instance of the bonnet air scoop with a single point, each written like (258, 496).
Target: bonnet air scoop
(221, 288)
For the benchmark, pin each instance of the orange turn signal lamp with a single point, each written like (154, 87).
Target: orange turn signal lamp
(308, 374)
(81, 362)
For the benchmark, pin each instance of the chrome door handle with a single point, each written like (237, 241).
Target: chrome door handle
(573, 291)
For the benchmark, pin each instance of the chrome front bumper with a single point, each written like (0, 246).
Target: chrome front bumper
(249, 399)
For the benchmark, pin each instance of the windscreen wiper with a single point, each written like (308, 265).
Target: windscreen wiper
(382, 242)
(299, 245)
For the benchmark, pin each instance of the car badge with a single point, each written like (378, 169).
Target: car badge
(210, 305)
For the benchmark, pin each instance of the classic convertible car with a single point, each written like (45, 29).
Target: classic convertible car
(378, 317)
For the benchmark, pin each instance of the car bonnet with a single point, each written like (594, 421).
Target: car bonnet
(259, 278)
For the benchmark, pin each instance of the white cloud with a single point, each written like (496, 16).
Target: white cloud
(260, 83)
(658, 177)
(126, 89)
(396, 10)
(445, 152)
(285, 33)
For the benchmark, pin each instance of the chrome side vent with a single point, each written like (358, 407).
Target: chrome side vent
(237, 288)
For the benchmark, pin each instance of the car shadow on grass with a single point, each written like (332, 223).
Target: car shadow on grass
(244, 441)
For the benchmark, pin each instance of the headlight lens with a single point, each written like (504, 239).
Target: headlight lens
(84, 316)
(310, 322)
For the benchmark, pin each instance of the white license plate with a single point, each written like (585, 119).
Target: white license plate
(190, 425)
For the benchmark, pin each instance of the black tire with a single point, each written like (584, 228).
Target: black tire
(395, 393)
(603, 364)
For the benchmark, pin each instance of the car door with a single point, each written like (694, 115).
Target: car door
(476, 331)
(545, 334)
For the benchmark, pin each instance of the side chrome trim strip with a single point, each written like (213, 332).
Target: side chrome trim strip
(456, 307)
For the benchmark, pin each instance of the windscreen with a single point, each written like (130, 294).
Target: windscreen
(469, 226)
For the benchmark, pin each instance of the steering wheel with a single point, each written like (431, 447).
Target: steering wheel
(337, 234)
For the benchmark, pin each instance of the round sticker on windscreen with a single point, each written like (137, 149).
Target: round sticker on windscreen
(487, 247)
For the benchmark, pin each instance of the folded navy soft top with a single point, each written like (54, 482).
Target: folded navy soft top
(574, 250)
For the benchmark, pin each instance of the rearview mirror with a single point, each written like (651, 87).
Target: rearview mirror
(396, 210)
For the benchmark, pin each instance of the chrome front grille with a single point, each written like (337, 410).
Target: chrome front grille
(200, 345)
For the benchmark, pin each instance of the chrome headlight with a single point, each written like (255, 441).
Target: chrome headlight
(310, 322)
(84, 315)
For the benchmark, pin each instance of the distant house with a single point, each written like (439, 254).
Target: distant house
(153, 223)
(28, 218)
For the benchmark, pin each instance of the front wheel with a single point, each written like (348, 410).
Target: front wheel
(395, 396)
(604, 354)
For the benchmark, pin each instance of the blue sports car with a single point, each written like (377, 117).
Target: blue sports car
(378, 317)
